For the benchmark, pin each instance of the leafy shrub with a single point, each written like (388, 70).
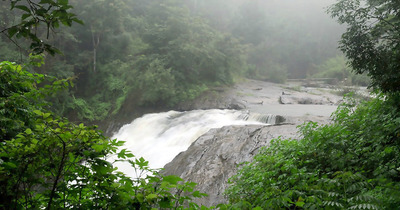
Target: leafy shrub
(21, 92)
(157, 84)
(335, 67)
(349, 164)
(49, 162)
(83, 108)
(338, 69)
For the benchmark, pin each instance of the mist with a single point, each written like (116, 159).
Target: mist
(284, 37)
(134, 55)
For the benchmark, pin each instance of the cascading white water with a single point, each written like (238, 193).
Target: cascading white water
(158, 138)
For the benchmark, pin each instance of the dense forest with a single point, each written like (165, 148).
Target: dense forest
(134, 55)
(91, 60)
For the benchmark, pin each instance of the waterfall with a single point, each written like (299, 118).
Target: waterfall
(159, 137)
(270, 119)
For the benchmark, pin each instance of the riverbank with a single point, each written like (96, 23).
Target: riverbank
(207, 138)
(215, 156)
(290, 99)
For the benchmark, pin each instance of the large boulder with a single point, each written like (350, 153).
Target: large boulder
(235, 104)
(214, 157)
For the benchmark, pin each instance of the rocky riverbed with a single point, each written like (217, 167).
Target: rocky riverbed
(270, 98)
(215, 156)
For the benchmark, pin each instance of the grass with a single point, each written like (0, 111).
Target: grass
(294, 88)
(245, 94)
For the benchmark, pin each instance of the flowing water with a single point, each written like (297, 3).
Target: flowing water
(159, 137)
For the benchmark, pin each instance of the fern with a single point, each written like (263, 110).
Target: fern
(333, 204)
(364, 206)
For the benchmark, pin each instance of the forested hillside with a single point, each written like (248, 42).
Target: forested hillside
(137, 52)
(47, 162)
(133, 54)
(283, 38)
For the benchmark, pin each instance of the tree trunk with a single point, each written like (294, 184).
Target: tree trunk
(96, 42)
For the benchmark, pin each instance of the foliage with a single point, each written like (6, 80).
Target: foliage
(157, 74)
(197, 46)
(277, 73)
(48, 162)
(336, 68)
(21, 93)
(371, 42)
(49, 14)
(149, 54)
(8, 51)
(349, 164)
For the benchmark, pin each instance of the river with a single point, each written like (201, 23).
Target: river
(159, 137)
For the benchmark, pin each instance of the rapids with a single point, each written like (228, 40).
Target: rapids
(159, 137)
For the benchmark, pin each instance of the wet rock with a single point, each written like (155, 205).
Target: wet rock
(212, 100)
(214, 157)
(315, 100)
(279, 119)
(285, 100)
(308, 100)
(235, 104)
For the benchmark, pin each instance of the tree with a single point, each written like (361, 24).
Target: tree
(35, 17)
(103, 17)
(372, 39)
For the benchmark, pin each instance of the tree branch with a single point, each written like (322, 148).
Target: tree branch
(59, 172)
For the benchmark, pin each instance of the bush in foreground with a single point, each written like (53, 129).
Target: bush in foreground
(49, 162)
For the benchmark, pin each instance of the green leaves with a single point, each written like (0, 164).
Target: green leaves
(173, 180)
(46, 13)
(23, 7)
(125, 154)
(63, 2)
(371, 40)
(12, 31)
(28, 131)
(20, 97)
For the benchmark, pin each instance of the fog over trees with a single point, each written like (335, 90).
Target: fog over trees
(283, 37)
(125, 47)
